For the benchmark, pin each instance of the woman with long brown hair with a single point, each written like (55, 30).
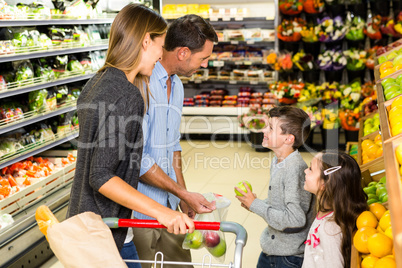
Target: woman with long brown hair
(335, 178)
(110, 113)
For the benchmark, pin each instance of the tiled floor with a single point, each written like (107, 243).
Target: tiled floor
(217, 167)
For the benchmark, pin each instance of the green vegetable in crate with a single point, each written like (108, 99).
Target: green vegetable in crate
(23, 74)
(376, 191)
(20, 39)
(75, 66)
(37, 100)
(61, 94)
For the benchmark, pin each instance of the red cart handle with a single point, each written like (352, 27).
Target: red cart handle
(116, 223)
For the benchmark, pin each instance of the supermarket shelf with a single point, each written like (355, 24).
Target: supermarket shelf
(51, 52)
(37, 149)
(249, 42)
(37, 86)
(12, 23)
(215, 111)
(36, 118)
(221, 63)
(247, 22)
(231, 82)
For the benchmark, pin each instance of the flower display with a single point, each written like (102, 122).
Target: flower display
(309, 94)
(313, 6)
(356, 59)
(286, 93)
(355, 28)
(280, 61)
(310, 33)
(289, 30)
(330, 117)
(255, 120)
(329, 92)
(303, 61)
(389, 29)
(372, 29)
(351, 95)
(349, 119)
(332, 60)
(291, 7)
(331, 29)
(370, 56)
(315, 115)
(398, 25)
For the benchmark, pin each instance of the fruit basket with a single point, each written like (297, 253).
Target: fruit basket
(389, 49)
(391, 122)
(394, 186)
(369, 125)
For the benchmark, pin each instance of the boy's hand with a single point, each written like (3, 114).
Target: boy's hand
(247, 198)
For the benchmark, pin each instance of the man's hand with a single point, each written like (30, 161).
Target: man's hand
(247, 198)
(198, 203)
(175, 222)
(186, 209)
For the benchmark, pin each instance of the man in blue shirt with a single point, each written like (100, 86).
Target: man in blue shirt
(188, 45)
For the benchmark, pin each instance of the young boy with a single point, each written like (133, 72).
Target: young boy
(288, 210)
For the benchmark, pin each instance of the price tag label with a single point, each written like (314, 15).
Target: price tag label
(250, 42)
(213, 18)
(226, 18)
(233, 82)
(253, 82)
(234, 42)
(218, 63)
(198, 81)
(238, 18)
(238, 62)
(247, 62)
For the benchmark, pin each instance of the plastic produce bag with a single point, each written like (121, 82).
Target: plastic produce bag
(213, 241)
(84, 241)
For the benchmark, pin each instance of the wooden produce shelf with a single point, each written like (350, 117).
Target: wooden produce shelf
(383, 109)
(394, 188)
(361, 124)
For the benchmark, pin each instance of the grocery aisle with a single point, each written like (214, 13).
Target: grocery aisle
(217, 167)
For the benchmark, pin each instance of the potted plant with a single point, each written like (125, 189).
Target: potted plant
(332, 63)
(255, 120)
(289, 33)
(355, 31)
(310, 39)
(356, 63)
(331, 31)
(291, 7)
(305, 63)
(286, 93)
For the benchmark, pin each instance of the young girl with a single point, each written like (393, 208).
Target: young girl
(335, 178)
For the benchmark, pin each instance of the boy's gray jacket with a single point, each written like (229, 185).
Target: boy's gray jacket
(288, 210)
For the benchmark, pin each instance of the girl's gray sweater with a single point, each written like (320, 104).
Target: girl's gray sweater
(288, 210)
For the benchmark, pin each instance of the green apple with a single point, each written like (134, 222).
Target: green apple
(397, 60)
(376, 116)
(370, 189)
(372, 196)
(391, 55)
(242, 187)
(219, 250)
(387, 80)
(391, 91)
(194, 240)
(373, 183)
(383, 180)
(376, 122)
(382, 59)
(384, 198)
(380, 190)
(398, 80)
(391, 95)
(391, 85)
(368, 121)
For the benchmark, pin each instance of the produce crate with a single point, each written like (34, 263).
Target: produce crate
(394, 188)
(361, 124)
(380, 89)
(383, 109)
(31, 194)
(389, 51)
(355, 258)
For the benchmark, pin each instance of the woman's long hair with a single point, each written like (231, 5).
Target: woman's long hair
(127, 33)
(343, 194)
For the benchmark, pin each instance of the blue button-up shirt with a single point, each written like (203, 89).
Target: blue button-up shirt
(161, 130)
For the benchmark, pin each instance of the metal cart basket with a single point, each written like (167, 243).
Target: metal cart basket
(232, 227)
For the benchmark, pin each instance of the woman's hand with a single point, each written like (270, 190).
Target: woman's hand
(176, 222)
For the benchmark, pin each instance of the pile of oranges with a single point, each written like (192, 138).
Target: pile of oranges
(371, 149)
(395, 116)
(374, 238)
(388, 68)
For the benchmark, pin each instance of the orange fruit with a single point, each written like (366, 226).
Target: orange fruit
(377, 209)
(397, 102)
(388, 232)
(395, 111)
(378, 139)
(385, 262)
(379, 245)
(385, 221)
(369, 261)
(385, 65)
(397, 129)
(372, 151)
(366, 218)
(379, 229)
(387, 72)
(360, 239)
(366, 144)
(398, 67)
(379, 152)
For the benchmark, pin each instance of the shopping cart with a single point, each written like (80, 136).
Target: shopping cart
(232, 227)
